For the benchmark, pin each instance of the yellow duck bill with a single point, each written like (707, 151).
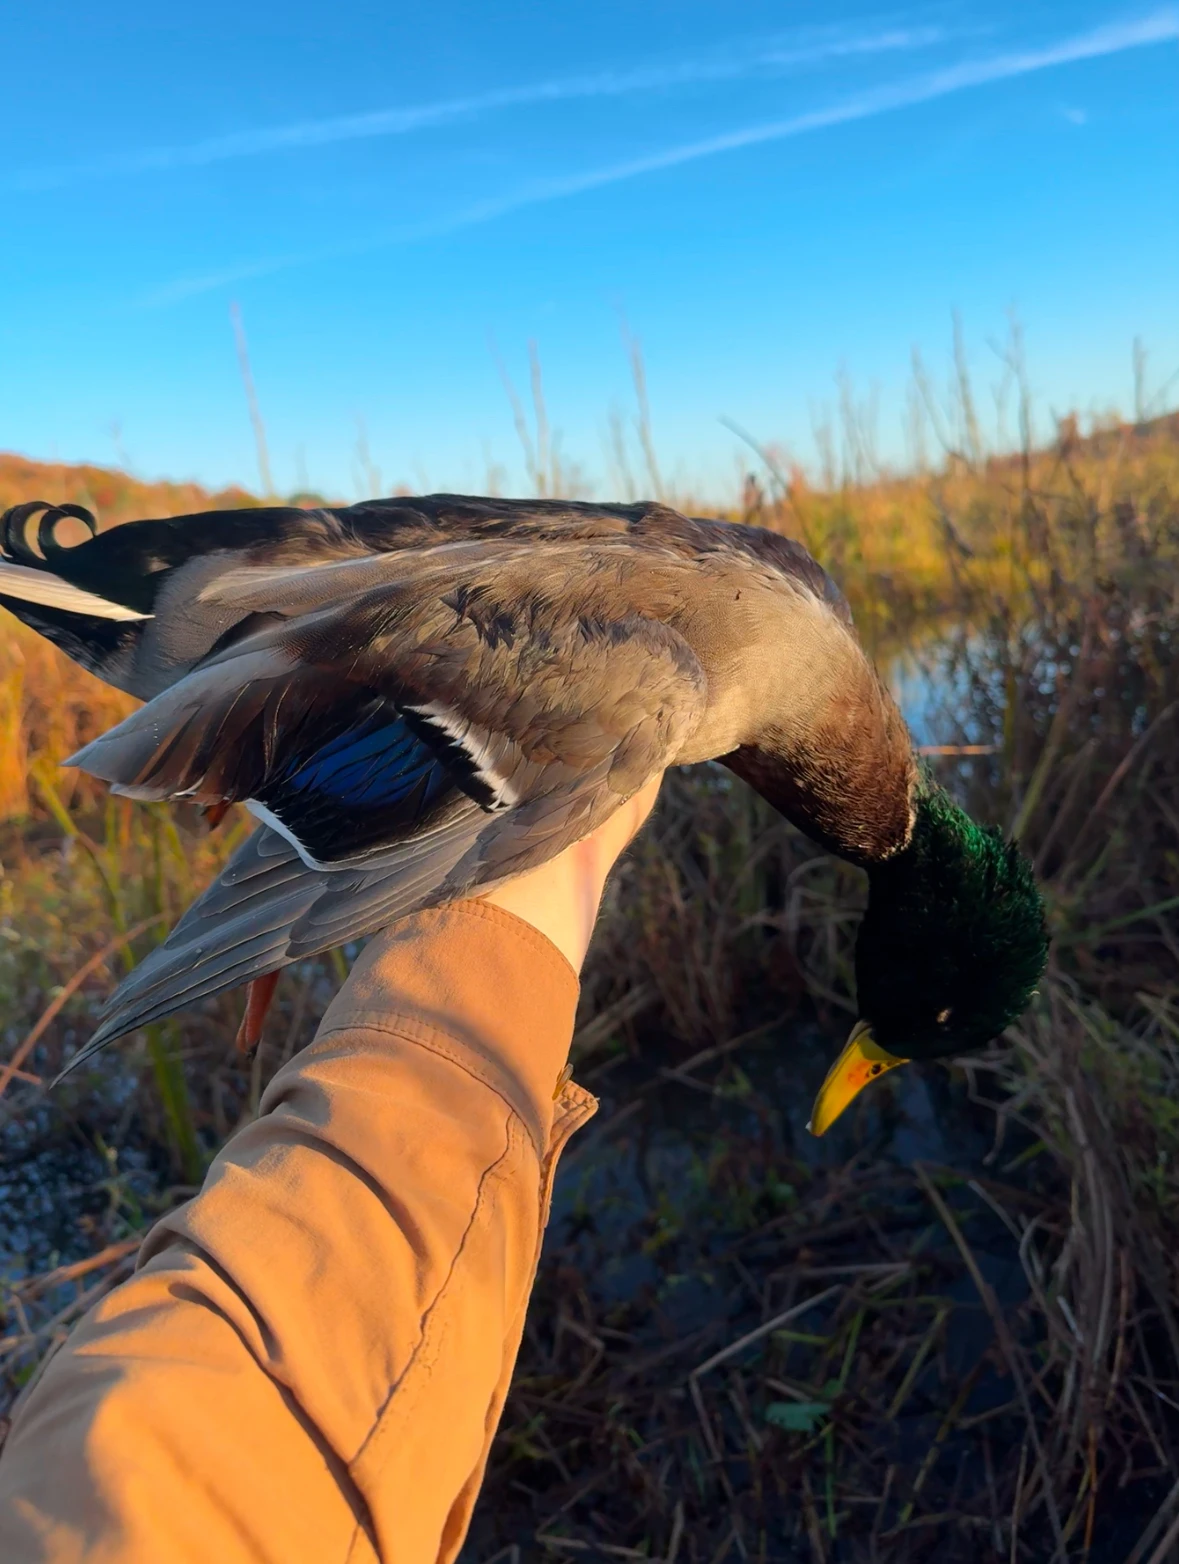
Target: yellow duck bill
(861, 1061)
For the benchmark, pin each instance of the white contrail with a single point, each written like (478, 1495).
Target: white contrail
(766, 58)
(1159, 27)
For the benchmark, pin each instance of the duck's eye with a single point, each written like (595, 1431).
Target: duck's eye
(944, 1015)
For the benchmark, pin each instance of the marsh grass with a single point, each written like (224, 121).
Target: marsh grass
(948, 1330)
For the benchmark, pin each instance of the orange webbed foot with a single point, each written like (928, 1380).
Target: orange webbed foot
(259, 993)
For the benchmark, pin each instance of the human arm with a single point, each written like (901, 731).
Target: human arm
(312, 1358)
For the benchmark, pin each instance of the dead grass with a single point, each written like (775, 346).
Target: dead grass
(48, 705)
(112, 494)
(947, 1331)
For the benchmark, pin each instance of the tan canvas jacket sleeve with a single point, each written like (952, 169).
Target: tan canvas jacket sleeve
(313, 1355)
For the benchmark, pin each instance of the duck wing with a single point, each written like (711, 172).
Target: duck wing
(133, 603)
(400, 755)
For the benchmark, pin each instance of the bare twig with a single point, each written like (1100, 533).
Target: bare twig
(54, 1008)
(259, 428)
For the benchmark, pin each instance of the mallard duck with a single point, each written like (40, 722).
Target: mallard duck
(419, 697)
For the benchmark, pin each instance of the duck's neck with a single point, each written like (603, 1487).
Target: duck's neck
(846, 776)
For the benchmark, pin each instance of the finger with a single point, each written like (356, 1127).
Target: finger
(643, 803)
(612, 838)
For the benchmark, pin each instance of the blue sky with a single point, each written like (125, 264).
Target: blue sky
(400, 198)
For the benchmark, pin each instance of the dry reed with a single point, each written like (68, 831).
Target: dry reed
(950, 1330)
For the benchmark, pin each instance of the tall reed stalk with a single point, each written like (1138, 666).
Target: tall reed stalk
(953, 1354)
(126, 904)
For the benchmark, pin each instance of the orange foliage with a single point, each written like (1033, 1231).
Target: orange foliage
(48, 705)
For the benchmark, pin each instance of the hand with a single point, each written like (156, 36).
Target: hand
(562, 897)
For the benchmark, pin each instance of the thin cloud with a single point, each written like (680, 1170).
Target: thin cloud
(766, 58)
(245, 271)
(1162, 27)
(1158, 28)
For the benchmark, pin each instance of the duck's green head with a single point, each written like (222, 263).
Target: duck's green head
(949, 953)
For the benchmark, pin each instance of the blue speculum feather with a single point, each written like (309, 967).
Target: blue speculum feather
(372, 767)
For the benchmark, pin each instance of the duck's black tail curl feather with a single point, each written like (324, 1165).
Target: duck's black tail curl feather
(87, 624)
(14, 530)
